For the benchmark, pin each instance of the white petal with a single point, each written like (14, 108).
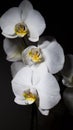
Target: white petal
(9, 19)
(68, 66)
(42, 40)
(8, 30)
(21, 82)
(44, 112)
(20, 101)
(9, 36)
(67, 71)
(67, 82)
(34, 36)
(36, 25)
(25, 7)
(48, 91)
(54, 56)
(13, 48)
(44, 45)
(38, 72)
(15, 67)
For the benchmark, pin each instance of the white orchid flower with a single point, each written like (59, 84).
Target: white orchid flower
(35, 85)
(67, 71)
(21, 21)
(13, 49)
(50, 53)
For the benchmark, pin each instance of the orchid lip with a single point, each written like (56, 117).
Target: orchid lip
(35, 55)
(21, 29)
(29, 96)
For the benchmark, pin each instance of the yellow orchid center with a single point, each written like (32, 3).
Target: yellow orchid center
(35, 55)
(20, 30)
(29, 96)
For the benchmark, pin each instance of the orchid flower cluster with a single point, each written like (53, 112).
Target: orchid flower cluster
(33, 65)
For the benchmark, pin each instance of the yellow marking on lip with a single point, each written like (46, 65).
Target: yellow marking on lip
(29, 96)
(35, 55)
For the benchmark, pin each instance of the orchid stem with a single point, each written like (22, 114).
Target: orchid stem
(28, 43)
(34, 118)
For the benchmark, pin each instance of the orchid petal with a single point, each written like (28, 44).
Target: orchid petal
(9, 36)
(67, 81)
(22, 79)
(54, 56)
(68, 66)
(25, 7)
(9, 19)
(44, 112)
(38, 72)
(36, 25)
(21, 83)
(48, 91)
(45, 38)
(67, 71)
(15, 67)
(44, 44)
(13, 48)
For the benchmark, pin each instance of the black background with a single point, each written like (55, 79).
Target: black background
(58, 18)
